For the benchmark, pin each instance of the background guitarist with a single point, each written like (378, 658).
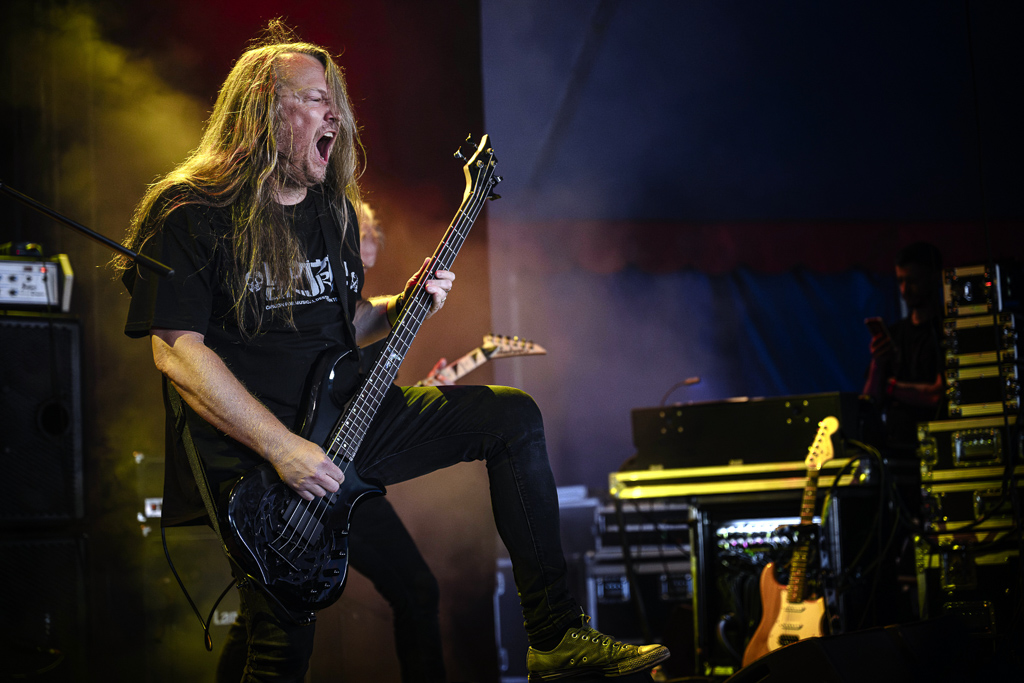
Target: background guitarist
(258, 225)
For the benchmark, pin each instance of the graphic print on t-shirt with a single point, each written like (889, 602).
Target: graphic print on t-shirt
(314, 282)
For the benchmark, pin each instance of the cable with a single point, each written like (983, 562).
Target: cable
(853, 573)
(882, 488)
(207, 638)
(627, 559)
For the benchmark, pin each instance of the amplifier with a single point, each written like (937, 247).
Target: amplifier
(973, 290)
(659, 583)
(732, 479)
(951, 507)
(41, 443)
(978, 583)
(45, 610)
(966, 443)
(982, 390)
(645, 588)
(31, 282)
(980, 340)
(658, 527)
(738, 431)
(651, 601)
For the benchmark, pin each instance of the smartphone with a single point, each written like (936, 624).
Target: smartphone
(876, 326)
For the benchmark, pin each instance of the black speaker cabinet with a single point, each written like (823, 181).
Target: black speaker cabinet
(43, 615)
(41, 405)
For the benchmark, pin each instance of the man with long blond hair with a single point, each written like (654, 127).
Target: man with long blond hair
(259, 227)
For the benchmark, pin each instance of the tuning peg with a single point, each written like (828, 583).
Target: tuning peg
(469, 141)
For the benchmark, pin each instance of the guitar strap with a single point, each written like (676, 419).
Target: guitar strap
(330, 225)
(177, 407)
(174, 402)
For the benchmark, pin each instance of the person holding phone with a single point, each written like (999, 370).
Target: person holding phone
(905, 377)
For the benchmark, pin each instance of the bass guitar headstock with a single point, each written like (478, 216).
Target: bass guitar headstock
(479, 168)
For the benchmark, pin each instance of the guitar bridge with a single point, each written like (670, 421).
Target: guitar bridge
(283, 557)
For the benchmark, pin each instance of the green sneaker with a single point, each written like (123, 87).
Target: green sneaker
(586, 651)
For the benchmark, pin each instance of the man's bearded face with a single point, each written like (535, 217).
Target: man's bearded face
(308, 125)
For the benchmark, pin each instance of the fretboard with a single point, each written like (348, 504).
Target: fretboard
(465, 365)
(798, 564)
(352, 428)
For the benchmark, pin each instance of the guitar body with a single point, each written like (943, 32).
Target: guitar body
(782, 622)
(297, 549)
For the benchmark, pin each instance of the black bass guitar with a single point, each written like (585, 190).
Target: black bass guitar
(297, 550)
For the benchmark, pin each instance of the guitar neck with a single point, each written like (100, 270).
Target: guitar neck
(818, 454)
(798, 563)
(465, 365)
(810, 499)
(419, 302)
(494, 347)
(354, 424)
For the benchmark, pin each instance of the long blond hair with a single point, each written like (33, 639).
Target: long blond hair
(237, 165)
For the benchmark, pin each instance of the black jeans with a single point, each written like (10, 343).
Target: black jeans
(381, 549)
(418, 430)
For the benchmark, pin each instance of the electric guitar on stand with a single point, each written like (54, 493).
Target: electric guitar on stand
(788, 614)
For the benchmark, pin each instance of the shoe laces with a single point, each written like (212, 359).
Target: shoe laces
(587, 633)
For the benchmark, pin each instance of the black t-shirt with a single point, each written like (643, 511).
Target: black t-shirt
(918, 358)
(273, 365)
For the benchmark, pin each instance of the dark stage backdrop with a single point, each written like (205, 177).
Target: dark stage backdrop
(719, 189)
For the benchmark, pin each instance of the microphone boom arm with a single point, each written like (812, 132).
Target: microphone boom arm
(152, 264)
